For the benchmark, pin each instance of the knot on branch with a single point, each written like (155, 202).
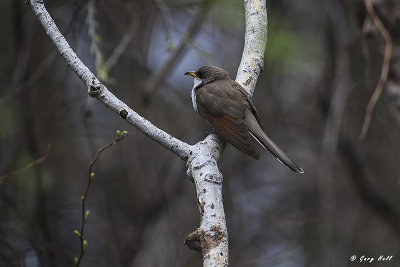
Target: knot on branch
(203, 241)
(212, 238)
(94, 88)
(192, 241)
(123, 113)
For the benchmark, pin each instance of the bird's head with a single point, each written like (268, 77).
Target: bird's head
(207, 74)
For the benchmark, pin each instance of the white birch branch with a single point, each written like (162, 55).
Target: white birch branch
(100, 91)
(255, 40)
(202, 158)
(212, 235)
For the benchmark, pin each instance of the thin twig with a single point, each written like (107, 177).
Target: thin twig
(85, 213)
(179, 51)
(385, 69)
(202, 157)
(366, 52)
(202, 53)
(27, 167)
(100, 91)
(121, 47)
(167, 20)
(95, 38)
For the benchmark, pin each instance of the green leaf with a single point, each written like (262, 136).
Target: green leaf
(87, 214)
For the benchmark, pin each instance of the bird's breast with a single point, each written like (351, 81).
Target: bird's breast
(194, 101)
(197, 83)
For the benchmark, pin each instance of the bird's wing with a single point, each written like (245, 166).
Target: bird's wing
(257, 130)
(248, 101)
(226, 113)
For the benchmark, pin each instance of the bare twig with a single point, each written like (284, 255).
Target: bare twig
(366, 52)
(202, 157)
(384, 72)
(202, 53)
(167, 20)
(339, 86)
(179, 51)
(29, 166)
(100, 91)
(121, 47)
(95, 38)
(84, 212)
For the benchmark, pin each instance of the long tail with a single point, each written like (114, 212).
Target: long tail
(260, 136)
(267, 143)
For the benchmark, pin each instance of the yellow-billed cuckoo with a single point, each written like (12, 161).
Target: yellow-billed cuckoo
(226, 105)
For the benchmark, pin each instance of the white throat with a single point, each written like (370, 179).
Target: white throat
(197, 83)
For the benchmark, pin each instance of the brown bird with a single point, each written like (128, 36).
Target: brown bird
(226, 105)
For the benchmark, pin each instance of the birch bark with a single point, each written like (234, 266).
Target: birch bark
(201, 158)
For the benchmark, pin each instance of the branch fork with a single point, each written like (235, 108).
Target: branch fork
(212, 235)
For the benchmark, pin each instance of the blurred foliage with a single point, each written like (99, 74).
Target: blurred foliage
(228, 15)
(8, 123)
(286, 48)
(25, 182)
(143, 204)
(101, 69)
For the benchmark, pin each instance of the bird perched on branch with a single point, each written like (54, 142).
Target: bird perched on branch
(226, 105)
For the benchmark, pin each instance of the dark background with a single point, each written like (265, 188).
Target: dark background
(322, 64)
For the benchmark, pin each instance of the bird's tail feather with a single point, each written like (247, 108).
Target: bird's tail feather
(267, 143)
(261, 137)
